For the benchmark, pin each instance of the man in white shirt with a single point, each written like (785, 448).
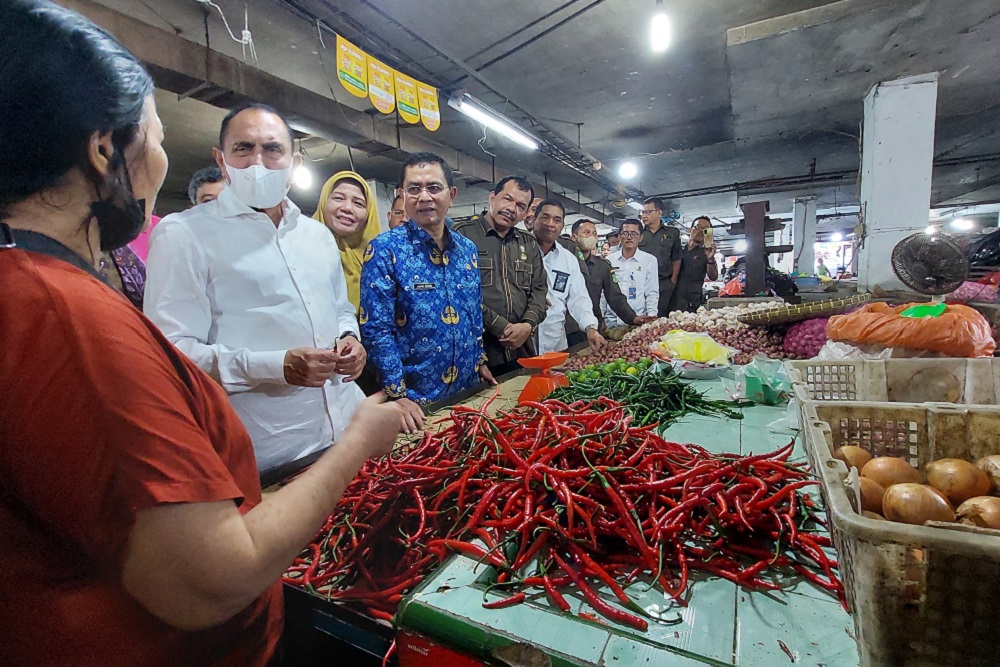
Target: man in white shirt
(636, 272)
(254, 293)
(567, 287)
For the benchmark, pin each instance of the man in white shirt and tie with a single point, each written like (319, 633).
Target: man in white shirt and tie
(254, 293)
(567, 287)
(636, 272)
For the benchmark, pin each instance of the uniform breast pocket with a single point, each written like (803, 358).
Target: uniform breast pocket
(486, 271)
(522, 274)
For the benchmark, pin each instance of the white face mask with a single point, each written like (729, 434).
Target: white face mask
(259, 187)
(586, 243)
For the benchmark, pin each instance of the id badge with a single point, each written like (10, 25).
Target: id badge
(632, 292)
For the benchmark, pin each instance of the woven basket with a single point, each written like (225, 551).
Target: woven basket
(803, 311)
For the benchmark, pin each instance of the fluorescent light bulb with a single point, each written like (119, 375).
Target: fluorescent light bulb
(495, 123)
(659, 32)
(741, 246)
(962, 224)
(836, 237)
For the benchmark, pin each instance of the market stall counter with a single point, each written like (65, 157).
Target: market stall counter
(444, 622)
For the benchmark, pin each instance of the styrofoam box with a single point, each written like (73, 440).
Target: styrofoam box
(920, 595)
(964, 381)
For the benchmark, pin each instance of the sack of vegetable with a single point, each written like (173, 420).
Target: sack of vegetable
(805, 339)
(959, 331)
(691, 346)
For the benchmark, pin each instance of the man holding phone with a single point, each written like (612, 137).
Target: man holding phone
(697, 262)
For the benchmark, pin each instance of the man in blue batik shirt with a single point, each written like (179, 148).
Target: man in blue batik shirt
(421, 298)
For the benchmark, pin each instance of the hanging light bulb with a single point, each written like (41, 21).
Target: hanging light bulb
(659, 29)
(628, 170)
(302, 177)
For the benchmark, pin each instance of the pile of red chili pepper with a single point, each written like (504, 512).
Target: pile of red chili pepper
(554, 495)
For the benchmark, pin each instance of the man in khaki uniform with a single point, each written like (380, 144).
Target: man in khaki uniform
(513, 275)
(663, 243)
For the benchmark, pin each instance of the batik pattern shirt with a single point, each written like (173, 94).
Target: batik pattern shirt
(421, 315)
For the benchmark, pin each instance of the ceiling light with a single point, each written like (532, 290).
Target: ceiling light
(931, 230)
(302, 177)
(659, 29)
(636, 205)
(741, 246)
(628, 171)
(962, 224)
(837, 237)
(481, 113)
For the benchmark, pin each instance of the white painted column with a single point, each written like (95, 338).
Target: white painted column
(897, 158)
(784, 237)
(804, 234)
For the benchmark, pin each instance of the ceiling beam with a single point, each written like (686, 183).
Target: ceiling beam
(187, 68)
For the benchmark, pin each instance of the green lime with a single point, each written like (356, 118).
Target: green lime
(643, 364)
(620, 361)
(594, 375)
(632, 370)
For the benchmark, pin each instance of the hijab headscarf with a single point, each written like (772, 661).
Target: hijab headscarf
(352, 248)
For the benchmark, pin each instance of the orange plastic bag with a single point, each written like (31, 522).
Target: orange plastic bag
(958, 332)
(733, 288)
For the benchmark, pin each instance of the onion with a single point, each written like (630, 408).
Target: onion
(889, 470)
(853, 456)
(915, 504)
(982, 511)
(871, 495)
(957, 479)
(991, 466)
(873, 515)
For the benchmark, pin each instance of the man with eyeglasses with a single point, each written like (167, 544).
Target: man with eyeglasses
(512, 273)
(663, 243)
(421, 316)
(636, 272)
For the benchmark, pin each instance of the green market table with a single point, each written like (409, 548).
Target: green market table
(722, 626)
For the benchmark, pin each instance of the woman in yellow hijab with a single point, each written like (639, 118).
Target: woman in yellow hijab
(348, 209)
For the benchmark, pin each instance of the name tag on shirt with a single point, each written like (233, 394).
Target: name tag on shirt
(562, 279)
(632, 292)
(424, 287)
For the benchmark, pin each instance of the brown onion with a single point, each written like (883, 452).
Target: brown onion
(991, 466)
(873, 515)
(957, 479)
(889, 470)
(871, 495)
(915, 504)
(853, 456)
(982, 511)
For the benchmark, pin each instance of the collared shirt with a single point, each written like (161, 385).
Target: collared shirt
(665, 245)
(421, 313)
(637, 278)
(567, 293)
(602, 284)
(514, 285)
(691, 280)
(234, 293)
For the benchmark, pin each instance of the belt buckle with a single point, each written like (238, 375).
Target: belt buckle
(6, 237)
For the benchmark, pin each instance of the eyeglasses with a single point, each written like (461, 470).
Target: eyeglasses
(433, 189)
(628, 235)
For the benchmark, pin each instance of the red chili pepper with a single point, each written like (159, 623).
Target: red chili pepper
(514, 599)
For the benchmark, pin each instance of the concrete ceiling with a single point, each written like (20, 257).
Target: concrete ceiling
(749, 92)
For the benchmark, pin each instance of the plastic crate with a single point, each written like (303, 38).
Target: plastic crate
(963, 381)
(920, 595)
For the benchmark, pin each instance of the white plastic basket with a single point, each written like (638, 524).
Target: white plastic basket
(921, 596)
(963, 381)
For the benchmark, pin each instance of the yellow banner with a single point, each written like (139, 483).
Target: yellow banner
(381, 89)
(352, 68)
(430, 113)
(406, 98)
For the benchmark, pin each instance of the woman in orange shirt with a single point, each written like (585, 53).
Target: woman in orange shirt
(133, 527)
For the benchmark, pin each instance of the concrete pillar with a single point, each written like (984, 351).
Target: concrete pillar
(897, 156)
(804, 235)
(784, 261)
